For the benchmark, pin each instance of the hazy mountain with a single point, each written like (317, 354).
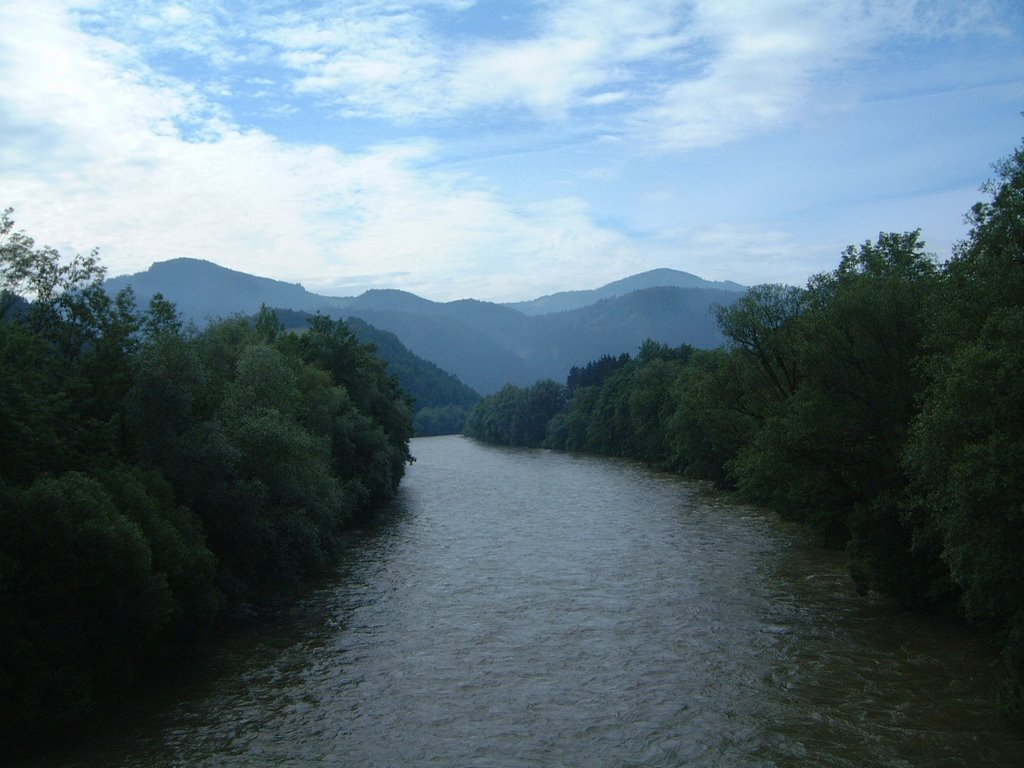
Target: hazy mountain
(669, 315)
(485, 345)
(471, 352)
(429, 385)
(655, 278)
(390, 300)
(488, 345)
(202, 290)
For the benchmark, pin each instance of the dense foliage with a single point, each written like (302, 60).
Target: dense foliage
(515, 416)
(156, 480)
(440, 401)
(881, 407)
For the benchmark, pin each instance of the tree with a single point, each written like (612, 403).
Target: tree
(79, 600)
(542, 402)
(966, 450)
(571, 431)
(35, 412)
(762, 325)
(71, 292)
(439, 420)
(154, 479)
(653, 400)
(719, 402)
(331, 345)
(161, 319)
(831, 449)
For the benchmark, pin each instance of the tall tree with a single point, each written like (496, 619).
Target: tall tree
(966, 452)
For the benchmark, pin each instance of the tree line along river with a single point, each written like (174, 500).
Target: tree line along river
(532, 608)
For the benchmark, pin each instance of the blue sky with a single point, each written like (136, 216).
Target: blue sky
(502, 150)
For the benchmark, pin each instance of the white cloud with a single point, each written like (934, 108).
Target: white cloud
(91, 95)
(376, 62)
(102, 149)
(770, 63)
(144, 168)
(367, 59)
(759, 254)
(678, 74)
(543, 75)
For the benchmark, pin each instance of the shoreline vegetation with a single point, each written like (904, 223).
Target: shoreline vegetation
(880, 407)
(160, 484)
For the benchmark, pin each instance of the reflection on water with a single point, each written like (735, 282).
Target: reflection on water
(530, 608)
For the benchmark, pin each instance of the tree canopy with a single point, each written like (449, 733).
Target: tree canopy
(880, 406)
(158, 481)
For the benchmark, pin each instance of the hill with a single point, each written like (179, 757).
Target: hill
(202, 290)
(485, 345)
(655, 278)
(440, 400)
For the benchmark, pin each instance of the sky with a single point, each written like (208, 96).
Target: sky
(502, 150)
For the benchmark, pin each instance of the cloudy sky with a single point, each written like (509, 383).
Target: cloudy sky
(501, 150)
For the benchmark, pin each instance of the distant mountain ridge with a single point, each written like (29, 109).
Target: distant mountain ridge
(440, 400)
(427, 384)
(202, 290)
(655, 278)
(486, 345)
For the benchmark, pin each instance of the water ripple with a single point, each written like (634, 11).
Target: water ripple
(529, 608)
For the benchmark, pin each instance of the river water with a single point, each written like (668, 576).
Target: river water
(533, 608)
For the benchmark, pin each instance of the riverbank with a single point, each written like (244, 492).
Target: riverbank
(524, 607)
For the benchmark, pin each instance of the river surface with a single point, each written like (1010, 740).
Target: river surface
(533, 608)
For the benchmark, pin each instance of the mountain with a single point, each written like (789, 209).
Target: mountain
(489, 345)
(471, 352)
(440, 400)
(202, 290)
(429, 386)
(390, 300)
(655, 278)
(485, 345)
(668, 315)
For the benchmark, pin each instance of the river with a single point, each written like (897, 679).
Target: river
(534, 608)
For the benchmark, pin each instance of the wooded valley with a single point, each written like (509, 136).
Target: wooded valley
(881, 407)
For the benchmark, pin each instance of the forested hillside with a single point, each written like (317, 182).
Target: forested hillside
(440, 401)
(486, 345)
(881, 407)
(654, 278)
(158, 482)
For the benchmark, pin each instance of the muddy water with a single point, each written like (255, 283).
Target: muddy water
(531, 608)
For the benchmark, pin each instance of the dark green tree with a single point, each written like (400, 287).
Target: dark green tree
(720, 399)
(763, 326)
(79, 601)
(828, 454)
(966, 451)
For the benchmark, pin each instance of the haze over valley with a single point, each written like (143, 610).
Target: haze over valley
(486, 345)
(488, 382)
